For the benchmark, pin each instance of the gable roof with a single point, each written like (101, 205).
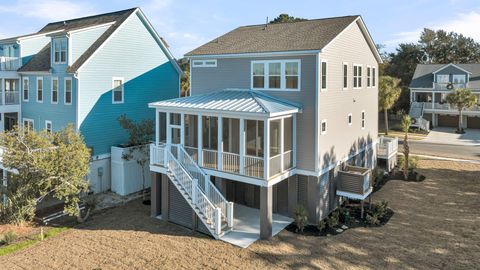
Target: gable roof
(232, 101)
(309, 35)
(424, 74)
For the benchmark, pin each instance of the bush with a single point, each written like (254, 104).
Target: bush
(301, 217)
(322, 224)
(412, 162)
(378, 175)
(380, 209)
(9, 238)
(372, 219)
(333, 220)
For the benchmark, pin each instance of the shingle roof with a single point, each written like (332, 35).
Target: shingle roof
(36, 64)
(231, 100)
(278, 37)
(423, 76)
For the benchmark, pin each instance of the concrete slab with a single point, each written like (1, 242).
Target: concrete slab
(246, 227)
(447, 135)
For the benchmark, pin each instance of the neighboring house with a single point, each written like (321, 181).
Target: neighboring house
(276, 114)
(431, 84)
(87, 72)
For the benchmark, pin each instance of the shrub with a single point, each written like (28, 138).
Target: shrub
(301, 217)
(322, 224)
(380, 209)
(334, 219)
(9, 238)
(412, 162)
(372, 219)
(378, 175)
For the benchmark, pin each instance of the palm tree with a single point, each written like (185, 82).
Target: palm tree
(461, 99)
(406, 122)
(389, 92)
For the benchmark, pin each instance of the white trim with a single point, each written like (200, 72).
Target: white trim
(23, 89)
(36, 89)
(354, 195)
(374, 77)
(451, 64)
(28, 120)
(34, 72)
(256, 54)
(369, 77)
(363, 120)
(350, 119)
(358, 78)
(266, 74)
(323, 132)
(345, 64)
(51, 90)
(65, 90)
(204, 64)
(90, 28)
(46, 125)
(54, 47)
(321, 75)
(17, 39)
(77, 95)
(122, 88)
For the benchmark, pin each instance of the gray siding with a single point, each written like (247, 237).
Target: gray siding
(341, 139)
(179, 210)
(451, 70)
(235, 73)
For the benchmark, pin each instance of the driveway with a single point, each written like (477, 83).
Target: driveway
(436, 225)
(447, 135)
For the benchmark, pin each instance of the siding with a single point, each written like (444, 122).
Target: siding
(451, 70)
(131, 53)
(81, 41)
(31, 46)
(235, 73)
(341, 139)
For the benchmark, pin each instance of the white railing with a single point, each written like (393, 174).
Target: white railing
(231, 162)
(443, 86)
(12, 97)
(210, 159)
(253, 166)
(447, 107)
(10, 63)
(275, 165)
(387, 146)
(287, 160)
(192, 151)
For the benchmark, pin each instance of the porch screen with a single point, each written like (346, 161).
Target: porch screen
(255, 138)
(162, 126)
(231, 135)
(191, 128)
(210, 132)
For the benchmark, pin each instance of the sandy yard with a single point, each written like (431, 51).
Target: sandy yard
(436, 225)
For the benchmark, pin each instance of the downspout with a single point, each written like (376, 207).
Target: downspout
(76, 75)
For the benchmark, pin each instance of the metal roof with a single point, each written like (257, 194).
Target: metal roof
(232, 101)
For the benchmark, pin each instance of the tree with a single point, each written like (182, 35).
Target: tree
(45, 164)
(406, 122)
(185, 79)
(283, 18)
(389, 91)
(461, 99)
(140, 134)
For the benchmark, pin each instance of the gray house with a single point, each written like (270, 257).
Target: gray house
(430, 86)
(278, 114)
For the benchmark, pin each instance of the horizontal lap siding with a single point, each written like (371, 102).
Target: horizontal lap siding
(235, 73)
(341, 139)
(32, 46)
(81, 41)
(131, 53)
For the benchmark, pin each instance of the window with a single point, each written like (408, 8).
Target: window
(28, 124)
(323, 129)
(68, 91)
(443, 78)
(55, 90)
(345, 75)
(349, 119)
(39, 89)
(458, 79)
(276, 75)
(60, 51)
(204, 63)
(26, 87)
(369, 77)
(324, 75)
(117, 96)
(363, 119)
(374, 77)
(357, 76)
(48, 126)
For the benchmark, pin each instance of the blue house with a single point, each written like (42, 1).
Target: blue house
(87, 72)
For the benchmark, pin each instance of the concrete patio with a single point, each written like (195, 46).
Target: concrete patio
(447, 135)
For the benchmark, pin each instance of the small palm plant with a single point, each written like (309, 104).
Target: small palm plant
(461, 99)
(406, 122)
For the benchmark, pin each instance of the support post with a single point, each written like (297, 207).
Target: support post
(182, 129)
(433, 100)
(200, 140)
(362, 206)
(157, 127)
(266, 149)
(218, 221)
(282, 148)
(219, 143)
(266, 212)
(165, 196)
(156, 190)
(230, 214)
(242, 146)
(294, 138)
(169, 137)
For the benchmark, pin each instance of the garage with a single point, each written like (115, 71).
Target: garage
(447, 121)
(473, 122)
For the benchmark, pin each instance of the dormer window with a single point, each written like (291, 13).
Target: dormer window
(443, 78)
(458, 79)
(60, 51)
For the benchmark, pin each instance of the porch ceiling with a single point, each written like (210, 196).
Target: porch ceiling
(231, 101)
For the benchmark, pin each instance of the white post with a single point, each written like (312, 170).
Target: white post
(433, 100)
(294, 139)
(242, 145)
(411, 96)
(282, 148)
(157, 127)
(220, 143)
(230, 214)
(2, 87)
(200, 140)
(182, 129)
(266, 149)
(169, 136)
(218, 221)
(194, 191)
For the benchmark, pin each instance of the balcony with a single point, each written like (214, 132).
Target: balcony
(10, 63)
(386, 147)
(354, 182)
(11, 98)
(447, 107)
(444, 86)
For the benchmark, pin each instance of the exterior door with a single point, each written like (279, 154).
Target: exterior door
(448, 121)
(175, 137)
(473, 122)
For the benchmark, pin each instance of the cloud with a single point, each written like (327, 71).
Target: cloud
(52, 10)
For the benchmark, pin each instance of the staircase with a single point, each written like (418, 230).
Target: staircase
(194, 184)
(416, 113)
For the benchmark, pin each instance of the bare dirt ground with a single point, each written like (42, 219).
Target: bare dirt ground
(436, 225)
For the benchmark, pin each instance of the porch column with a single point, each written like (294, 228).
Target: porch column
(294, 139)
(266, 197)
(169, 136)
(266, 149)
(157, 127)
(156, 190)
(200, 140)
(165, 195)
(219, 143)
(411, 96)
(242, 146)
(433, 100)
(182, 128)
(282, 148)
(2, 87)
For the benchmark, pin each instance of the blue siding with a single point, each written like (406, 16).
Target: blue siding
(32, 46)
(131, 53)
(81, 41)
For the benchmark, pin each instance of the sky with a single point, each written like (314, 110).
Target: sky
(186, 25)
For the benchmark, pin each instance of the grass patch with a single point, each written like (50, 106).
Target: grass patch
(29, 242)
(400, 135)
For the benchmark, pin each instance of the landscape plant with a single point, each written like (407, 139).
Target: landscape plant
(406, 122)
(334, 219)
(461, 99)
(9, 237)
(388, 93)
(322, 224)
(301, 218)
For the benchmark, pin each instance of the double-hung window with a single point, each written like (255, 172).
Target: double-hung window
(275, 75)
(28, 124)
(345, 75)
(54, 90)
(25, 88)
(117, 92)
(374, 77)
(68, 91)
(60, 51)
(363, 119)
(324, 76)
(443, 78)
(357, 76)
(48, 126)
(369, 77)
(349, 119)
(323, 126)
(458, 79)
(39, 89)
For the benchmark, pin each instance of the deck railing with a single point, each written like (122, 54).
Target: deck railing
(387, 146)
(231, 162)
(253, 166)
(443, 86)
(12, 97)
(10, 63)
(275, 165)
(287, 160)
(210, 159)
